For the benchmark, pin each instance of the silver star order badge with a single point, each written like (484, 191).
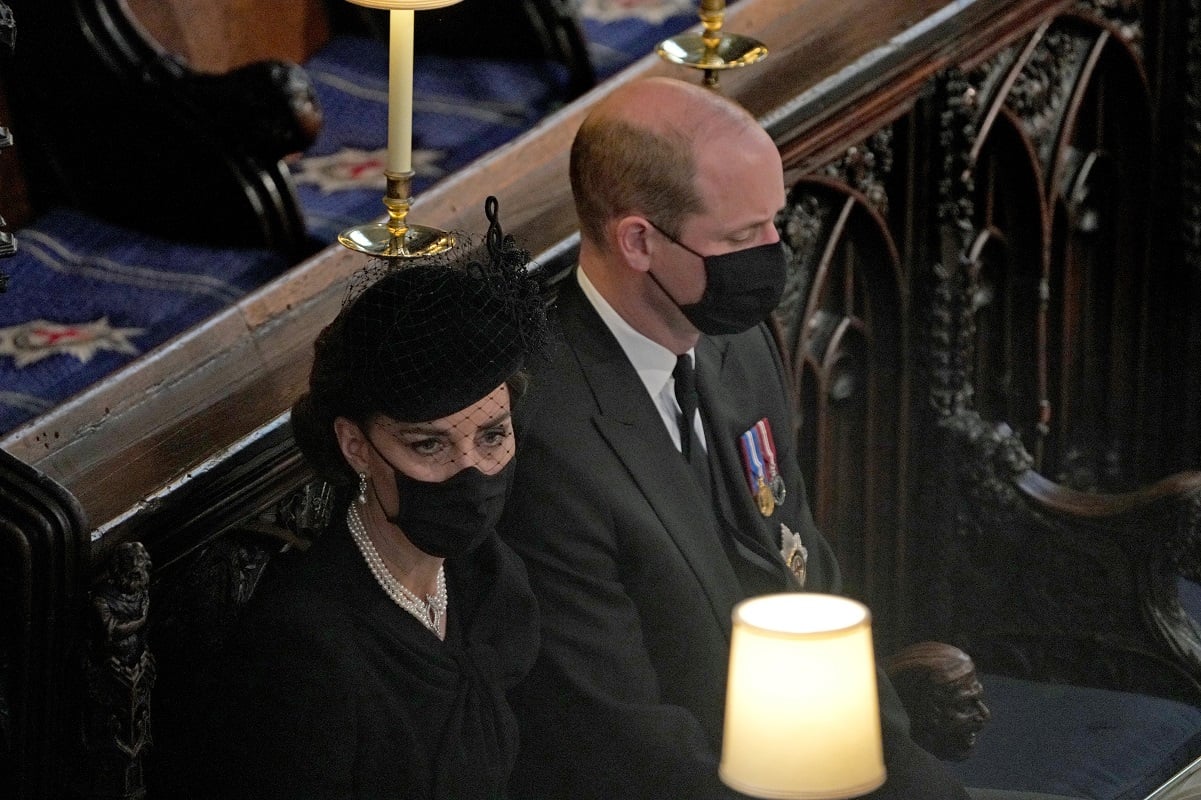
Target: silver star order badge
(793, 551)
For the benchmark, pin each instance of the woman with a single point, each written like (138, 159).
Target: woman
(375, 663)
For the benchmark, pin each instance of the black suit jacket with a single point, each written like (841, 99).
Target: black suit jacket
(635, 573)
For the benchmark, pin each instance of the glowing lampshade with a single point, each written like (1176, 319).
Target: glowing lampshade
(802, 710)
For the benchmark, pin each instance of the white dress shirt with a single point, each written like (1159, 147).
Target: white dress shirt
(653, 362)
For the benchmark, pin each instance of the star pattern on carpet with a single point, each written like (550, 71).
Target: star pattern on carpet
(351, 168)
(32, 341)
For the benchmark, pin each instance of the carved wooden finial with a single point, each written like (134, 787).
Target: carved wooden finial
(120, 673)
(937, 683)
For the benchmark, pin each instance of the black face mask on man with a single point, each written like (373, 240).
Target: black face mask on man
(741, 287)
(450, 518)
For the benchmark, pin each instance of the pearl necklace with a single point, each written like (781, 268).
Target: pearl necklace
(431, 611)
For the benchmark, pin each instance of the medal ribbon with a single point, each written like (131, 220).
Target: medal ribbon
(751, 447)
(763, 428)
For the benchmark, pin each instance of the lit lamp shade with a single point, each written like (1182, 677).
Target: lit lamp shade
(802, 710)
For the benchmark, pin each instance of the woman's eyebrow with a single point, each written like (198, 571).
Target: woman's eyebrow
(498, 419)
(422, 429)
(429, 429)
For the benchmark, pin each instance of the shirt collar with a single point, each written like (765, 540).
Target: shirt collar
(653, 362)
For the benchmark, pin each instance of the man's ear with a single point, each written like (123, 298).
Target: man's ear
(353, 443)
(635, 244)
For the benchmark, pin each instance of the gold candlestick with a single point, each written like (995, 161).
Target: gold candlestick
(396, 238)
(711, 50)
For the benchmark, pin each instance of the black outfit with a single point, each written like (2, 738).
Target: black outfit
(331, 690)
(637, 566)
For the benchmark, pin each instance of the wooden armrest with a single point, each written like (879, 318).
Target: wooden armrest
(1182, 487)
(1040, 581)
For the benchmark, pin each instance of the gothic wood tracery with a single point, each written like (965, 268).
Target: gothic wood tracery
(1060, 260)
(841, 319)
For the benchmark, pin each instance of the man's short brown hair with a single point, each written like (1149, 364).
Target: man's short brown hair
(619, 169)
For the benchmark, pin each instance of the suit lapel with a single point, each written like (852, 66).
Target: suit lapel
(722, 402)
(630, 424)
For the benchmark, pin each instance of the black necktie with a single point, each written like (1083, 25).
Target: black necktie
(690, 443)
(685, 384)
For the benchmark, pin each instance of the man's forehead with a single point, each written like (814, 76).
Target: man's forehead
(739, 200)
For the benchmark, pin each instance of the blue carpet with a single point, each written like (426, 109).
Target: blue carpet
(87, 297)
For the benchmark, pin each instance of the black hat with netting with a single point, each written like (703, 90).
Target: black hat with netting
(423, 340)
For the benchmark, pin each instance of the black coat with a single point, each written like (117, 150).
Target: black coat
(636, 577)
(330, 690)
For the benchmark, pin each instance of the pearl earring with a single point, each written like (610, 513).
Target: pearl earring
(362, 488)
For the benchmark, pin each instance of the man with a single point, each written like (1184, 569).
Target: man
(640, 531)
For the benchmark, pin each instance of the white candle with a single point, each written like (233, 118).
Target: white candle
(400, 91)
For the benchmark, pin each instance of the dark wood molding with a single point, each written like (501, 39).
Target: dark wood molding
(43, 574)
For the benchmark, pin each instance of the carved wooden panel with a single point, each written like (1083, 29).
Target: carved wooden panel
(119, 673)
(842, 320)
(1054, 584)
(994, 252)
(1067, 341)
(1053, 354)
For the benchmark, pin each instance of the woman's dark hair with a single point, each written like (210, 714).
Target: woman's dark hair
(314, 412)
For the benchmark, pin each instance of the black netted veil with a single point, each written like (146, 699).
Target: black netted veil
(423, 340)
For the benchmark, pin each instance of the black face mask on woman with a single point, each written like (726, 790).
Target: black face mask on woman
(741, 287)
(450, 518)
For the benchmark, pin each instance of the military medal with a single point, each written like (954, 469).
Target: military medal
(752, 446)
(793, 551)
(774, 479)
(765, 500)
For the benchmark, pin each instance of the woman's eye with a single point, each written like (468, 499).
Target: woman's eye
(495, 437)
(426, 447)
